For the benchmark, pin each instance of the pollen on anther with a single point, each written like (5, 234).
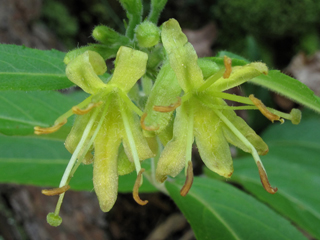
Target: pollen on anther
(227, 64)
(135, 192)
(169, 108)
(265, 181)
(78, 111)
(40, 130)
(144, 127)
(263, 109)
(55, 191)
(189, 180)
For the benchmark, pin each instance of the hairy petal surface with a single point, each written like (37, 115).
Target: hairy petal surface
(130, 66)
(105, 167)
(84, 71)
(165, 91)
(182, 56)
(172, 158)
(212, 145)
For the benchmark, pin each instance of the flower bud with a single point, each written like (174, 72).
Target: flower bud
(147, 34)
(109, 36)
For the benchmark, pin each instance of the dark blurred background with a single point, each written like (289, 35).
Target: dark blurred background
(282, 33)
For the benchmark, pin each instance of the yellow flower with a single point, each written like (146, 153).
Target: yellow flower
(108, 125)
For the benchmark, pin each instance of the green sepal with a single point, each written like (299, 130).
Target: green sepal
(162, 95)
(207, 67)
(173, 157)
(147, 34)
(239, 75)
(109, 37)
(124, 165)
(211, 142)
(84, 71)
(106, 52)
(182, 56)
(130, 66)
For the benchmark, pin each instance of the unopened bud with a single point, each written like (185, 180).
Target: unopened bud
(147, 34)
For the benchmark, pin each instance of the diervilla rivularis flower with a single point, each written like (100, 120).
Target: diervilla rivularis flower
(107, 132)
(107, 124)
(201, 112)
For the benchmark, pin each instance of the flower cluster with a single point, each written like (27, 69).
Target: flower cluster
(109, 134)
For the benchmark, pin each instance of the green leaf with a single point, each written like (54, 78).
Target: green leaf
(293, 166)
(22, 111)
(27, 69)
(289, 87)
(217, 210)
(41, 162)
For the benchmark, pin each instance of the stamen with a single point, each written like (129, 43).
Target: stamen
(144, 127)
(255, 155)
(55, 191)
(189, 180)
(263, 109)
(265, 181)
(135, 192)
(39, 130)
(227, 64)
(78, 111)
(169, 108)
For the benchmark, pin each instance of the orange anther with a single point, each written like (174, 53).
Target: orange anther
(143, 117)
(78, 111)
(169, 108)
(227, 64)
(135, 192)
(55, 191)
(189, 180)
(265, 181)
(263, 109)
(39, 130)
